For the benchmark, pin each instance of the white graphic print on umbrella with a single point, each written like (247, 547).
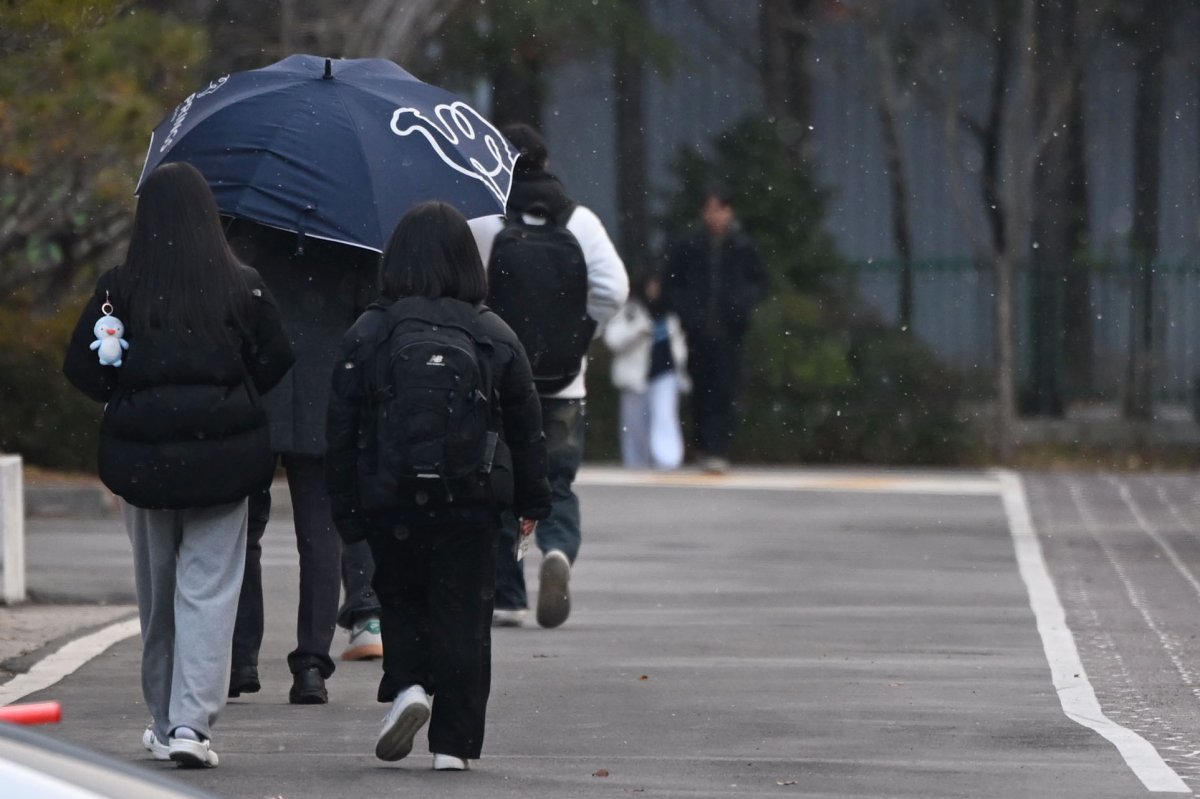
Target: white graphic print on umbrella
(454, 125)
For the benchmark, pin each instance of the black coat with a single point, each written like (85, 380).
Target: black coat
(320, 292)
(183, 425)
(518, 405)
(714, 300)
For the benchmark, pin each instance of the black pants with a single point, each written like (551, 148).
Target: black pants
(714, 363)
(320, 550)
(435, 589)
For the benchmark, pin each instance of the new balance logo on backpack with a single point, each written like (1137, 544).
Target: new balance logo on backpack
(538, 284)
(431, 396)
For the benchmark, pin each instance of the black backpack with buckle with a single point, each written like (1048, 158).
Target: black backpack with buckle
(432, 427)
(538, 284)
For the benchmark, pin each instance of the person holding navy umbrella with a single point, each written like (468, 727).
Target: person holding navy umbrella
(316, 160)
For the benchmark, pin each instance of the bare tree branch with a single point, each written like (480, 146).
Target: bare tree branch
(746, 51)
(396, 29)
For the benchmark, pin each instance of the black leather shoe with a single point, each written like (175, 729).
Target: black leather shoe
(243, 680)
(308, 687)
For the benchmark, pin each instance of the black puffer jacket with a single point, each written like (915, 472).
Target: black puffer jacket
(349, 447)
(714, 292)
(183, 425)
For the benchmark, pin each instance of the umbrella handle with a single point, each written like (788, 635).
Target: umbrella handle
(32, 713)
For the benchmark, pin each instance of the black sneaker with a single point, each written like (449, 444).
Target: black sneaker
(308, 687)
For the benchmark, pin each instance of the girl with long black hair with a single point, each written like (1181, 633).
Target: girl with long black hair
(434, 565)
(183, 441)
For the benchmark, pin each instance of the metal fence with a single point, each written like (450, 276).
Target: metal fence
(953, 306)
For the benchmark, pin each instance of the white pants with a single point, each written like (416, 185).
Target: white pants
(651, 436)
(188, 571)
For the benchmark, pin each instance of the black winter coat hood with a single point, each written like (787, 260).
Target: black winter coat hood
(538, 186)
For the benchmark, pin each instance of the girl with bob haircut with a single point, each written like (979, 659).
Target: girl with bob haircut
(428, 256)
(435, 562)
(183, 441)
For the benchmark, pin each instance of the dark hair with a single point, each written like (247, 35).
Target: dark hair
(179, 273)
(719, 191)
(432, 253)
(529, 143)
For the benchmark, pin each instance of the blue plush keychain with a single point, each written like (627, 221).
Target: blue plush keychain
(110, 343)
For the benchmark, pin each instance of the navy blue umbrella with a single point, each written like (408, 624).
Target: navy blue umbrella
(336, 149)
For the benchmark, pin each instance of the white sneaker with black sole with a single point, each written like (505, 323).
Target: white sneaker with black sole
(189, 751)
(410, 711)
(554, 592)
(158, 749)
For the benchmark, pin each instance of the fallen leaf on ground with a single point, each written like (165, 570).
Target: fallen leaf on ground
(603, 772)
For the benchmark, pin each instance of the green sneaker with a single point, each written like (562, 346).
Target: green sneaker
(366, 643)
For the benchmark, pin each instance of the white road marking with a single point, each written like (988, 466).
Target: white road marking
(66, 661)
(1137, 598)
(974, 484)
(1075, 692)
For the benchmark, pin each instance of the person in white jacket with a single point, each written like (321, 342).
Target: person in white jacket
(563, 413)
(649, 367)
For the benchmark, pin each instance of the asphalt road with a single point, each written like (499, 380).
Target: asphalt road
(816, 634)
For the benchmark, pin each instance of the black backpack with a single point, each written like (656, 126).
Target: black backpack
(537, 283)
(435, 438)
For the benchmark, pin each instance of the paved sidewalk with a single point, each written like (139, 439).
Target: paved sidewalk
(807, 633)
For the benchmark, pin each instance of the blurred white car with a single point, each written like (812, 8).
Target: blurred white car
(36, 766)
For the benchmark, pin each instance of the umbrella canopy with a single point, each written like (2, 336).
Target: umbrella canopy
(336, 149)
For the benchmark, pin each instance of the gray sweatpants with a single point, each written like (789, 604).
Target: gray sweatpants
(188, 569)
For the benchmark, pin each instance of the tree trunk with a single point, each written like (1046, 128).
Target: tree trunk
(1004, 270)
(517, 91)
(1078, 357)
(1016, 192)
(889, 107)
(1059, 302)
(631, 151)
(1147, 143)
(787, 93)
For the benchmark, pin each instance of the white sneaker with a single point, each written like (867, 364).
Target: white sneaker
(189, 751)
(508, 617)
(410, 711)
(554, 593)
(449, 763)
(155, 747)
(366, 643)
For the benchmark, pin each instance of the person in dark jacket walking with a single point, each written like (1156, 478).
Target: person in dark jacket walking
(183, 441)
(564, 412)
(434, 568)
(713, 280)
(321, 287)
